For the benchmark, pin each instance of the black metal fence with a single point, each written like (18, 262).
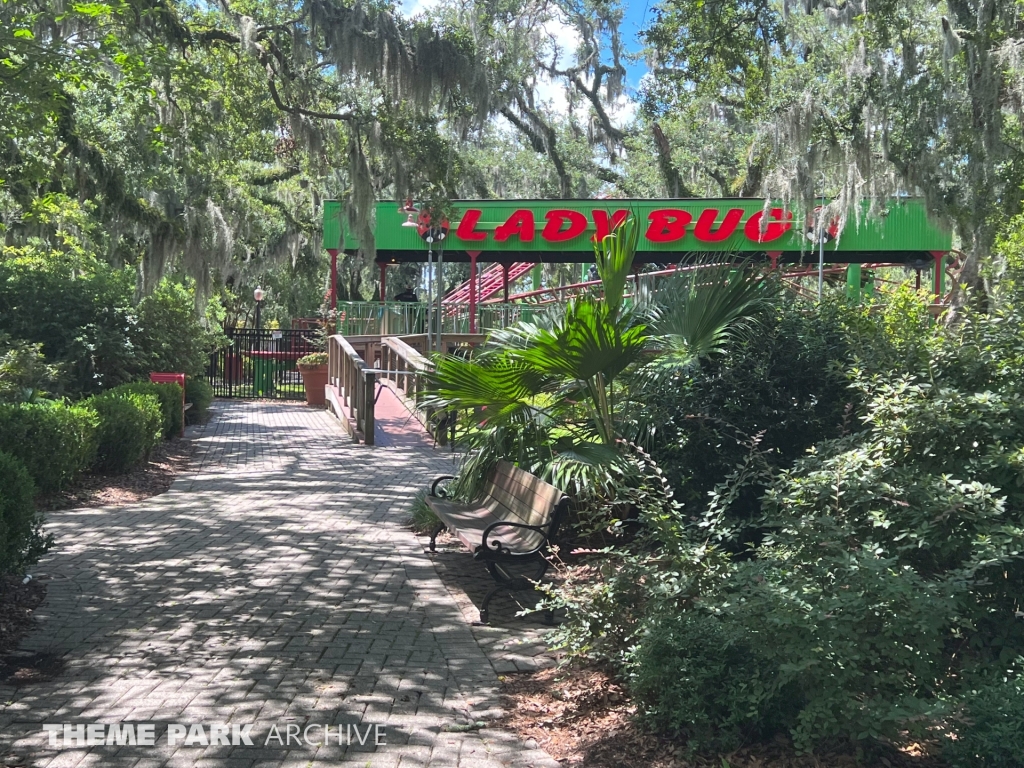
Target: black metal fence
(260, 363)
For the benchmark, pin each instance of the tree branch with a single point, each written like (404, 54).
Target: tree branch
(673, 179)
(543, 139)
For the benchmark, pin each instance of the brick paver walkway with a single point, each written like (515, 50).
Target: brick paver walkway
(274, 585)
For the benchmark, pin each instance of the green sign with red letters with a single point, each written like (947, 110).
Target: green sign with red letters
(564, 231)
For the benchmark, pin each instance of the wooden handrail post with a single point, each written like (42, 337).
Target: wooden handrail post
(367, 415)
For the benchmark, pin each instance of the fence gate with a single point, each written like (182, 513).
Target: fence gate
(260, 363)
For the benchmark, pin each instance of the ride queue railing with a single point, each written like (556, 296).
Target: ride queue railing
(400, 318)
(354, 383)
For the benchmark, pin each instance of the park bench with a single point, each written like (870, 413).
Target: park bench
(512, 523)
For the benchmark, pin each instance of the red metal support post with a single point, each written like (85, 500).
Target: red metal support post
(334, 277)
(504, 282)
(937, 278)
(472, 290)
(773, 259)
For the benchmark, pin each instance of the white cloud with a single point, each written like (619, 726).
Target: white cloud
(416, 7)
(558, 40)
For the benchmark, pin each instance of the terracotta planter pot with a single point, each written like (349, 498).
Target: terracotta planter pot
(314, 380)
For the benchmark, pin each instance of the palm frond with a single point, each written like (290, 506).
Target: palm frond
(502, 385)
(590, 340)
(702, 309)
(613, 255)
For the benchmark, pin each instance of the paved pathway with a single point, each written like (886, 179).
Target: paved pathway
(274, 586)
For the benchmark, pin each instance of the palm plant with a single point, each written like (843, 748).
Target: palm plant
(551, 393)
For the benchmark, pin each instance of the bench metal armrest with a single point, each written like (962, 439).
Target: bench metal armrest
(498, 548)
(437, 482)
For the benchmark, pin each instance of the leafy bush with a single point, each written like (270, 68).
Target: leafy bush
(22, 542)
(886, 571)
(84, 320)
(313, 358)
(169, 397)
(169, 336)
(697, 676)
(55, 442)
(990, 733)
(87, 322)
(783, 389)
(25, 375)
(199, 392)
(421, 517)
(130, 425)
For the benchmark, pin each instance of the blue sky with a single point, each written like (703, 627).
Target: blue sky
(638, 13)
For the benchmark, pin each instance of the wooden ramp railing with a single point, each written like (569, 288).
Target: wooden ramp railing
(351, 387)
(352, 378)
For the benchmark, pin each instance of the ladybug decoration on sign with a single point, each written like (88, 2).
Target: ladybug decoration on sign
(831, 231)
(429, 231)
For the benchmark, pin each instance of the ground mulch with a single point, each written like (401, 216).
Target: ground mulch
(582, 717)
(166, 461)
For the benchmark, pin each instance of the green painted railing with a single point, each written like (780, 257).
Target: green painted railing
(400, 318)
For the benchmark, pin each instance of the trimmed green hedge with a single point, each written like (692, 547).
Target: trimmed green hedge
(169, 397)
(55, 442)
(199, 392)
(21, 538)
(130, 425)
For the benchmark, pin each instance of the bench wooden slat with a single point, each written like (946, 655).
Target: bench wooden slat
(510, 495)
(525, 497)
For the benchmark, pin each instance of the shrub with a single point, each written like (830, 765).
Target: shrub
(169, 397)
(169, 336)
(55, 442)
(87, 322)
(697, 676)
(783, 386)
(130, 425)
(21, 539)
(199, 392)
(84, 319)
(421, 517)
(313, 358)
(887, 558)
(24, 373)
(991, 731)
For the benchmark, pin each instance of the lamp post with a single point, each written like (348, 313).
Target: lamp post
(258, 294)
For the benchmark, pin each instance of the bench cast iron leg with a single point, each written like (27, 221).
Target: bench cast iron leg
(485, 615)
(433, 536)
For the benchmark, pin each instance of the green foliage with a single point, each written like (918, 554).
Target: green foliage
(169, 336)
(702, 678)
(24, 374)
(613, 256)
(85, 322)
(867, 582)
(22, 542)
(199, 392)
(990, 730)
(421, 517)
(55, 442)
(695, 321)
(778, 392)
(313, 358)
(130, 425)
(169, 397)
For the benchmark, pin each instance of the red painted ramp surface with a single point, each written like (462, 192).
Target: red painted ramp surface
(394, 426)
